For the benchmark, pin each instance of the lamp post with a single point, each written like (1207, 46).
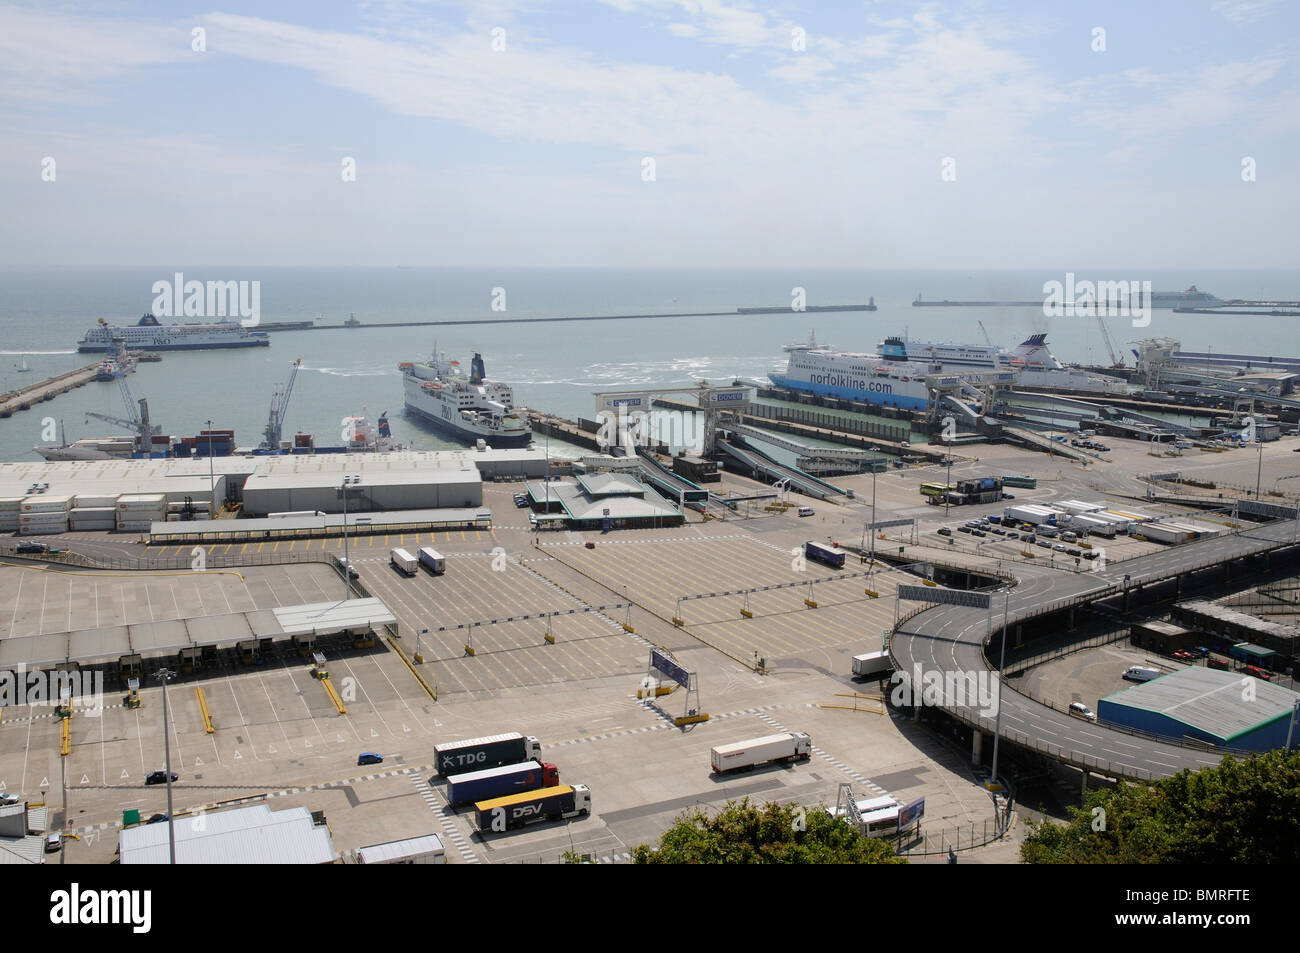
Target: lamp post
(165, 674)
(212, 479)
(347, 566)
(1259, 470)
(873, 507)
(997, 724)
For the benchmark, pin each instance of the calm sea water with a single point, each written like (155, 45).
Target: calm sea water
(553, 366)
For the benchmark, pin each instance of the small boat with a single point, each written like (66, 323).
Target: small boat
(22, 366)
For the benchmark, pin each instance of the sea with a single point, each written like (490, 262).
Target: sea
(553, 367)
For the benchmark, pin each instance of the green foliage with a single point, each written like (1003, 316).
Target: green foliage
(742, 833)
(1242, 812)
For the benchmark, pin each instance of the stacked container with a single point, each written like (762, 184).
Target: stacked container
(40, 515)
(136, 512)
(10, 509)
(93, 511)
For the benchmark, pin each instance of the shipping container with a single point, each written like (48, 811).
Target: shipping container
(433, 560)
(500, 781)
(516, 810)
(872, 665)
(404, 561)
(475, 754)
(787, 746)
(47, 504)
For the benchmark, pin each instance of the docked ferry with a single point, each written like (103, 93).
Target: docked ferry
(470, 408)
(898, 375)
(149, 335)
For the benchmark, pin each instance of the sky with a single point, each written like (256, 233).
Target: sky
(664, 133)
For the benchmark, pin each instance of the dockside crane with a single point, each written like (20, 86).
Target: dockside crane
(279, 404)
(1116, 360)
(138, 422)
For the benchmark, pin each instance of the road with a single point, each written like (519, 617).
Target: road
(951, 639)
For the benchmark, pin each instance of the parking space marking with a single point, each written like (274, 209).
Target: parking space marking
(446, 818)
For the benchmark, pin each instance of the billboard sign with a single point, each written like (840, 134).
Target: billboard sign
(670, 669)
(910, 813)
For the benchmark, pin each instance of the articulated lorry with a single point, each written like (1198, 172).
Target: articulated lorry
(404, 561)
(491, 751)
(787, 747)
(433, 560)
(516, 810)
(497, 782)
(872, 665)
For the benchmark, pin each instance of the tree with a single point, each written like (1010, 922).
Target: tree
(742, 833)
(1243, 812)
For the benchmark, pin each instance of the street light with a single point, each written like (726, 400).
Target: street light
(873, 507)
(347, 566)
(997, 725)
(212, 479)
(165, 674)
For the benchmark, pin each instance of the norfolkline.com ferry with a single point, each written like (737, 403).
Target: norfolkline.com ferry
(148, 335)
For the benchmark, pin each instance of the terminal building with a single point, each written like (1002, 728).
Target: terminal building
(603, 501)
(248, 835)
(1206, 705)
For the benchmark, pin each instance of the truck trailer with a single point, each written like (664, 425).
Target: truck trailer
(490, 751)
(824, 554)
(516, 810)
(787, 747)
(433, 560)
(499, 781)
(404, 561)
(872, 665)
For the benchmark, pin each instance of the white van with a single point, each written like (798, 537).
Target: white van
(805, 511)
(1137, 673)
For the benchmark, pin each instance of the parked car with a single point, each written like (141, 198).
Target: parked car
(1257, 672)
(945, 531)
(1076, 553)
(31, 546)
(964, 529)
(1184, 656)
(53, 842)
(160, 777)
(370, 757)
(1218, 663)
(1080, 710)
(1045, 544)
(1012, 535)
(9, 798)
(1202, 650)
(1059, 547)
(157, 819)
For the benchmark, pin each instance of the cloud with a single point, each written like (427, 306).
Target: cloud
(1243, 11)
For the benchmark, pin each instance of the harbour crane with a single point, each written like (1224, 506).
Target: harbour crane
(138, 421)
(987, 340)
(1115, 359)
(279, 404)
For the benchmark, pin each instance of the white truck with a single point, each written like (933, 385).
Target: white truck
(872, 665)
(787, 747)
(404, 561)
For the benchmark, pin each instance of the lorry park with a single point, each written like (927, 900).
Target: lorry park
(542, 695)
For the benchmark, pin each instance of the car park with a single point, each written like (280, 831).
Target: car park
(370, 757)
(160, 777)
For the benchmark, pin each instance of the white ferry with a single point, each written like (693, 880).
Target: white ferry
(470, 408)
(148, 335)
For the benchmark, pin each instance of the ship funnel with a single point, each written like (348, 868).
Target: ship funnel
(476, 371)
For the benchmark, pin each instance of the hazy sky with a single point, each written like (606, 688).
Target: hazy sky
(518, 133)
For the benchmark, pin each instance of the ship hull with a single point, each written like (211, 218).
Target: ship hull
(498, 440)
(895, 398)
(97, 348)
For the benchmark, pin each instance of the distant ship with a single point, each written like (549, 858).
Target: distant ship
(148, 335)
(1191, 298)
(471, 408)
